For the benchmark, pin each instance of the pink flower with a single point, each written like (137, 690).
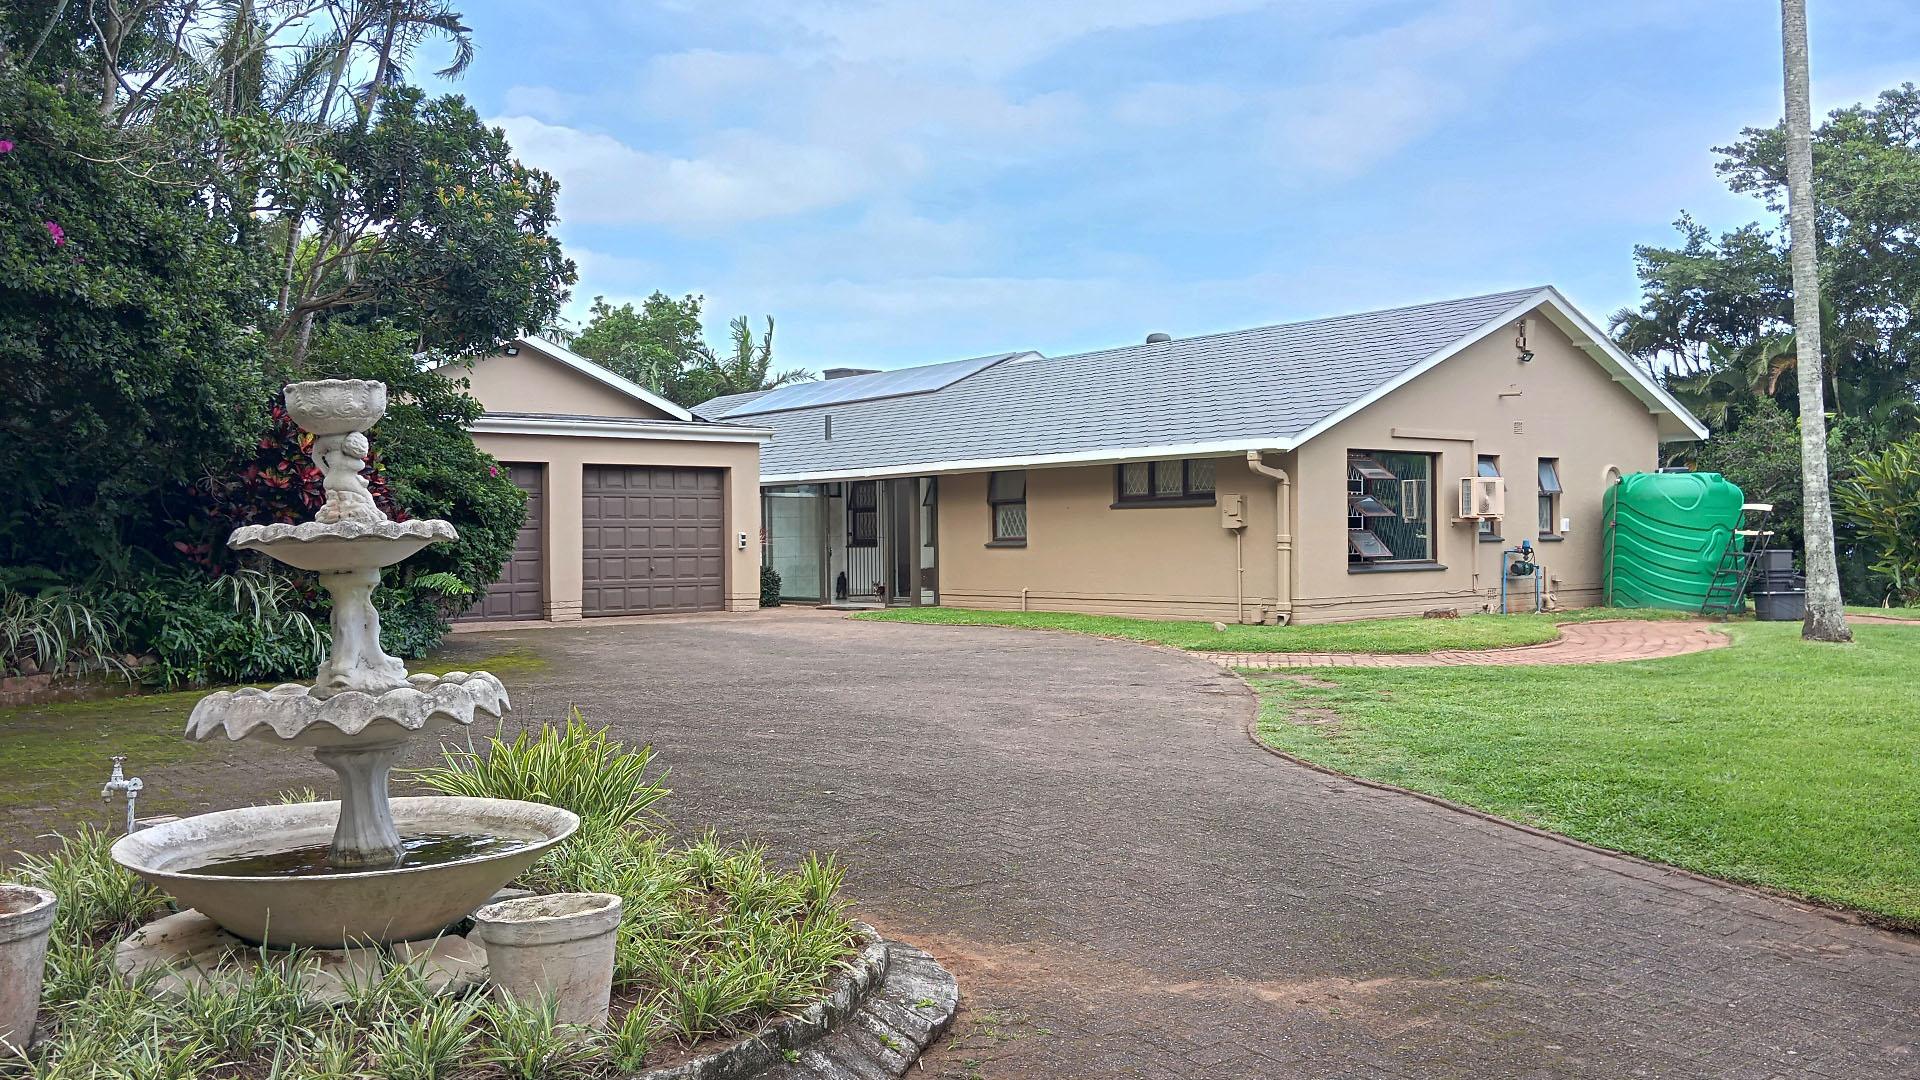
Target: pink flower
(6, 147)
(54, 230)
(493, 470)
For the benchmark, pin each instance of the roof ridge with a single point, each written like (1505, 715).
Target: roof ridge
(1397, 309)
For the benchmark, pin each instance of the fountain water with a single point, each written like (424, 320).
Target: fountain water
(367, 869)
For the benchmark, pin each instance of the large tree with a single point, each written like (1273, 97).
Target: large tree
(1826, 619)
(651, 344)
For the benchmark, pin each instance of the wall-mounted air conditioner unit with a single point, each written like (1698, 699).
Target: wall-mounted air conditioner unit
(1483, 497)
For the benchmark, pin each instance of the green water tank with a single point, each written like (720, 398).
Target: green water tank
(1665, 535)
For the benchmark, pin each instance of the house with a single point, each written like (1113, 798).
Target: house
(634, 506)
(1342, 468)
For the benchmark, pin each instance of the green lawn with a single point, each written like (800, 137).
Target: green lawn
(1372, 635)
(1775, 762)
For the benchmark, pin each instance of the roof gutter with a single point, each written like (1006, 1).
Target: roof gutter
(618, 428)
(1282, 539)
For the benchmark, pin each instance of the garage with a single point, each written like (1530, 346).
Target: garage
(653, 540)
(521, 591)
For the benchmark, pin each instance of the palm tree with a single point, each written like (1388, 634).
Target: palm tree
(746, 369)
(1826, 618)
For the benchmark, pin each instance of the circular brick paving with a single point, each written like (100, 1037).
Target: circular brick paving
(1607, 642)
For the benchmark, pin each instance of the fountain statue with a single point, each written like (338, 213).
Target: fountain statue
(367, 869)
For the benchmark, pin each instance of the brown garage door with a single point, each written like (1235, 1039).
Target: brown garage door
(653, 539)
(521, 591)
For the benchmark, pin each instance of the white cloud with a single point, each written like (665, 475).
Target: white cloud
(988, 38)
(739, 176)
(544, 102)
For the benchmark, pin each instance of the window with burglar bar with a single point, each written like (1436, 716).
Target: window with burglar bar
(1007, 500)
(1188, 482)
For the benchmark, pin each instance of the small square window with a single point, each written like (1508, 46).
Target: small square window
(1200, 476)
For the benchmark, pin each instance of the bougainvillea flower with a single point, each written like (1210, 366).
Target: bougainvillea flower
(6, 146)
(54, 230)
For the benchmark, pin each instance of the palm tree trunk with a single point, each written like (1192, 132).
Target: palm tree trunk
(1826, 619)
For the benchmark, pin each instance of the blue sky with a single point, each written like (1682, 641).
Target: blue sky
(907, 182)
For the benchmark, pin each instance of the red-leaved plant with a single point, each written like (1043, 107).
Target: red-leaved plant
(278, 483)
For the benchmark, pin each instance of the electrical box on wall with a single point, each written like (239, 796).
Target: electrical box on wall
(1233, 512)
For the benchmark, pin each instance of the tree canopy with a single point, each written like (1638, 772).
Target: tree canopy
(199, 202)
(1716, 311)
(661, 345)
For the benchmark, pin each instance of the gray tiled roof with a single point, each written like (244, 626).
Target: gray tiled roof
(1270, 383)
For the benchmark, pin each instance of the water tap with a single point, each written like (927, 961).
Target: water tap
(119, 782)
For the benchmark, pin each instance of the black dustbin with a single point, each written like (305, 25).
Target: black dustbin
(1779, 605)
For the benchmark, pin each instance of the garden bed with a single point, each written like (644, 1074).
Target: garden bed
(715, 948)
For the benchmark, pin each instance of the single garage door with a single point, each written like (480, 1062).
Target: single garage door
(653, 540)
(521, 591)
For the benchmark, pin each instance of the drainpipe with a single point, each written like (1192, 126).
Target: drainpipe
(1282, 539)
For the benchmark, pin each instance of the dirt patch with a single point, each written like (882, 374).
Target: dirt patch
(1314, 716)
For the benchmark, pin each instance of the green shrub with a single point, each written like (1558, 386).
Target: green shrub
(55, 631)
(247, 626)
(769, 587)
(574, 767)
(1881, 501)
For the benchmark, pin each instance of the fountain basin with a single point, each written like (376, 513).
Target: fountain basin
(350, 907)
(342, 546)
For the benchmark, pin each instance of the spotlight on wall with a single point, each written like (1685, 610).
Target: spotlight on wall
(1520, 341)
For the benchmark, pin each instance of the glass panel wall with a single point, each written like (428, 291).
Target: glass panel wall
(795, 525)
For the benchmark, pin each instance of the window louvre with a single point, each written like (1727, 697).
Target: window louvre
(1549, 476)
(1389, 507)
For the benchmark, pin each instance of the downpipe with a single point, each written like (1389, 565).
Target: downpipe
(1282, 539)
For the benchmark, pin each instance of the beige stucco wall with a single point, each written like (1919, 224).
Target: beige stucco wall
(565, 458)
(534, 383)
(1084, 555)
(1483, 401)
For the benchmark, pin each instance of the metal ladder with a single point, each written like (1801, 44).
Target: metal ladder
(1728, 589)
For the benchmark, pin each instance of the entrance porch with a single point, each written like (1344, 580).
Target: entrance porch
(860, 543)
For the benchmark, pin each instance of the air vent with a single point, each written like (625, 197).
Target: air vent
(1158, 338)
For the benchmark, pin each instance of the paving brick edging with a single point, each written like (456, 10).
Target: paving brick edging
(876, 1020)
(1802, 903)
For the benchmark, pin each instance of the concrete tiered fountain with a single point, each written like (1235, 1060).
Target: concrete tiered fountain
(366, 870)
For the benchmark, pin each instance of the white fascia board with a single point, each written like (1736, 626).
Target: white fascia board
(1103, 456)
(602, 375)
(613, 428)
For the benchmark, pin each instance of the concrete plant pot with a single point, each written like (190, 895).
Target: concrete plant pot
(26, 918)
(558, 946)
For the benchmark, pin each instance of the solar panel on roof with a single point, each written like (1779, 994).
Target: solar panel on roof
(882, 384)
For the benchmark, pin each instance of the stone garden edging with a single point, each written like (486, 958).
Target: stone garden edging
(876, 1019)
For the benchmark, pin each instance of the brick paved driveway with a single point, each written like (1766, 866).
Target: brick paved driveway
(1127, 887)
(1608, 642)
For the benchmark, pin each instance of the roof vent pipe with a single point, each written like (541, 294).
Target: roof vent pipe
(1158, 338)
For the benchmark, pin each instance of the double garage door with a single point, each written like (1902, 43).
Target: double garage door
(652, 540)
